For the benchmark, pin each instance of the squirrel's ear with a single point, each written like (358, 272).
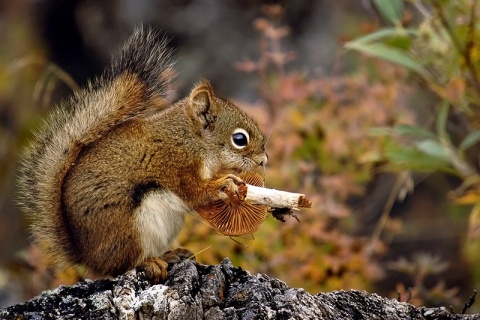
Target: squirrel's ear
(202, 104)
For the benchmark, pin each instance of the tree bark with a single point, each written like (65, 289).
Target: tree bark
(196, 291)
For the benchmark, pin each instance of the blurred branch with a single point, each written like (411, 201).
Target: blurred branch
(467, 51)
(470, 46)
(401, 182)
(50, 68)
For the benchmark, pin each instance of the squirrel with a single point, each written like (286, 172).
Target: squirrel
(108, 181)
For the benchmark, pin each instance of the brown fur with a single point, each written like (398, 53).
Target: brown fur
(112, 145)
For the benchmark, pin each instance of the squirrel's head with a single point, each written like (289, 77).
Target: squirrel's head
(230, 135)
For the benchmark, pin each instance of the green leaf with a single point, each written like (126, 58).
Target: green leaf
(381, 34)
(402, 42)
(442, 121)
(408, 158)
(434, 148)
(388, 53)
(391, 10)
(414, 131)
(471, 139)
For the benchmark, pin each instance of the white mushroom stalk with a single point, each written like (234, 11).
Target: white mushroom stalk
(276, 198)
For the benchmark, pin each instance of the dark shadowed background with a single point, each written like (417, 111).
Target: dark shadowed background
(317, 104)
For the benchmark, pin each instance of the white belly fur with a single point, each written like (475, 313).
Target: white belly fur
(159, 219)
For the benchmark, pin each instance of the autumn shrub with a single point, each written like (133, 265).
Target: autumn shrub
(438, 44)
(318, 144)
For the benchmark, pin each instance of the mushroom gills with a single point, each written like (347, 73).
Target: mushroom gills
(236, 219)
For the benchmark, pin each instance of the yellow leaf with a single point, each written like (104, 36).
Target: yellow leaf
(472, 196)
(453, 92)
(474, 223)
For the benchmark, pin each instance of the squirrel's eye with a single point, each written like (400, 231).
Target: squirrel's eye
(240, 138)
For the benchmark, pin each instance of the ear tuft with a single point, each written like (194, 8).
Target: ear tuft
(202, 104)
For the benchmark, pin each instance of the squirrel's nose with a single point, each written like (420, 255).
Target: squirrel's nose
(264, 160)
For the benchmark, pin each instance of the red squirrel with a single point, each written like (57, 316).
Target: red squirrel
(108, 181)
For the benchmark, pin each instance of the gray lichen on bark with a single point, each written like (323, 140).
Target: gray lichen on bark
(196, 291)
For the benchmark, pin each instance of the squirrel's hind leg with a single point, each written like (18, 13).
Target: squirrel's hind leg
(155, 268)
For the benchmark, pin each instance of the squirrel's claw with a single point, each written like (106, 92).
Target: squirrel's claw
(155, 268)
(234, 188)
(177, 255)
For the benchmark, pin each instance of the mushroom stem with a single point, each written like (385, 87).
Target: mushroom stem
(276, 198)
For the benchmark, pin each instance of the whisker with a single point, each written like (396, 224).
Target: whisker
(264, 175)
(197, 253)
(199, 218)
(268, 137)
(238, 242)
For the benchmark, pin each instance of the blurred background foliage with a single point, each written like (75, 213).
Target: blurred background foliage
(370, 107)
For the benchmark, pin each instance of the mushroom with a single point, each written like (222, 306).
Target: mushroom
(236, 219)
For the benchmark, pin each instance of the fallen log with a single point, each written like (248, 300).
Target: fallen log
(196, 291)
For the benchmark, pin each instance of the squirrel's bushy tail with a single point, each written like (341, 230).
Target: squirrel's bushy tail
(134, 85)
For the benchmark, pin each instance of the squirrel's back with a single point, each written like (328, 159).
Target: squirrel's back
(133, 86)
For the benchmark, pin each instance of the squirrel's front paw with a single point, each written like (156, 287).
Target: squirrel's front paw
(233, 188)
